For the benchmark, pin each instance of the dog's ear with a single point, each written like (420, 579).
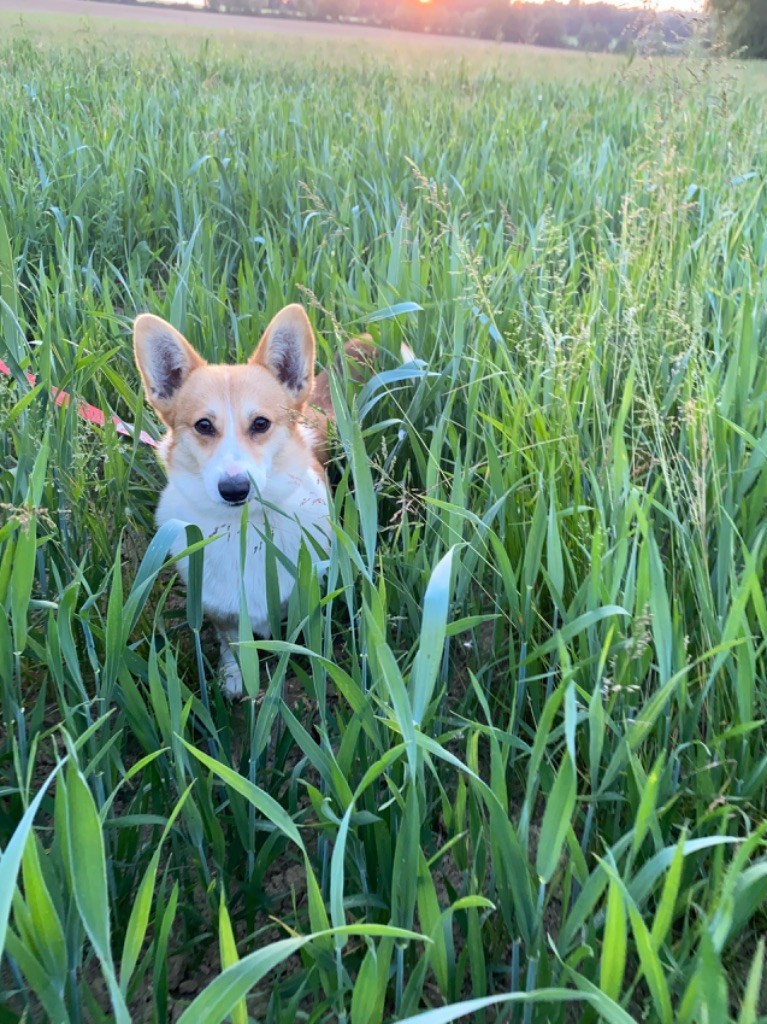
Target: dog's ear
(164, 358)
(287, 351)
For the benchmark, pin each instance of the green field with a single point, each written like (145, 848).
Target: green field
(511, 749)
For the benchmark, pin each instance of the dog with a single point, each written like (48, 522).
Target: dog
(253, 435)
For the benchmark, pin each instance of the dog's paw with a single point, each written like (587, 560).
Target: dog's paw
(231, 680)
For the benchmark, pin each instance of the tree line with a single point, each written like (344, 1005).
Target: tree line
(745, 24)
(595, 26)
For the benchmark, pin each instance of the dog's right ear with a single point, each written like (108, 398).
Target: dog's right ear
(286, 350)
(164, 358)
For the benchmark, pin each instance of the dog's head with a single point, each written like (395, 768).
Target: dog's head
(228, 426)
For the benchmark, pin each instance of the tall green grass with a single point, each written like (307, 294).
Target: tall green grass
(507, 758)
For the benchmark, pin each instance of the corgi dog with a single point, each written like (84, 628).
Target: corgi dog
(250, 435)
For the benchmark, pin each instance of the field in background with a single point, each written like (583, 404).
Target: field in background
(511, 749)
(267, 38)
(88, 23)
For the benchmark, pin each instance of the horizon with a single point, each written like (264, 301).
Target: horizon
(685, 6)
(688, 6)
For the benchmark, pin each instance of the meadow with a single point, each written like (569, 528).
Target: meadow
(506, 760)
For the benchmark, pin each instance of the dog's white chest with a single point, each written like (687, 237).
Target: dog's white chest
(302, 501)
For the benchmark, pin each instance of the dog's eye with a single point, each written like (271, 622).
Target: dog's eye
(260, 425)
(205, 427)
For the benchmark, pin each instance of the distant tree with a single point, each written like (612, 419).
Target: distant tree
(487, 20)
(234, 6)
(549, 25)
(378, 11)
(337, 8)
(520, 23)
(406, 17)
(745, 23)
(593, 37)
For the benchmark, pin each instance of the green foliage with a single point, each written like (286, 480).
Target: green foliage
(507, 759)
(745, 23)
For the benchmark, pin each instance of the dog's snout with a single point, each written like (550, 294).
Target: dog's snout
(234, 489)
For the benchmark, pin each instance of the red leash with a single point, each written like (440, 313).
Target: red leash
(87, 412)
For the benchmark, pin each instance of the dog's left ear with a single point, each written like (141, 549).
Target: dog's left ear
(287, 351)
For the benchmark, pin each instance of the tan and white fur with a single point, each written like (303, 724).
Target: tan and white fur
(253, 434)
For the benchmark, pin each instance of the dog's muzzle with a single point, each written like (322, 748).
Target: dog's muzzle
(234, 489)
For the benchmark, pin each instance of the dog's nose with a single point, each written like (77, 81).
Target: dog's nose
(234, 489)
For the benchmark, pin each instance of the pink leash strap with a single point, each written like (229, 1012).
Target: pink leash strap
(87, 412)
